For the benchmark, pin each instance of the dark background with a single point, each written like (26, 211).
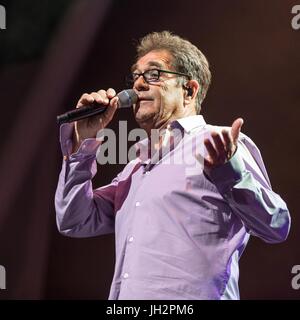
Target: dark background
(53, 51)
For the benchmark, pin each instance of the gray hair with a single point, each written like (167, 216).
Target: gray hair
(187, 58)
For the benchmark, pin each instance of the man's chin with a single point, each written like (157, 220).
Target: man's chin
(143, 118)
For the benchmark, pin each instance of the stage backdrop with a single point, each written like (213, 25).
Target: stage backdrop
(53, 51)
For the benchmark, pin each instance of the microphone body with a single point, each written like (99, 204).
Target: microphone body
(126, 99)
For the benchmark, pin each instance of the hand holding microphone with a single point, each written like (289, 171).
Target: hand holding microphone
(94, 111)
(126, 99)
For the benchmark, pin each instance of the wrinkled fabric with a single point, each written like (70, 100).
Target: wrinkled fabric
(179, 231)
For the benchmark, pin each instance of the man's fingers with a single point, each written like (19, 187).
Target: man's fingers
(114, 102)
(113, 105)
(229, 146)
(110, 93)
(223, 146)
(85, 99)
(208, 162)
(235, 129)
(227, 139)
(100, 97)
(210, 149)
(219, 144)
(111, 109)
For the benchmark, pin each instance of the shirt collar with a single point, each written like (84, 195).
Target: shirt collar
(189, 124)
(192, 122)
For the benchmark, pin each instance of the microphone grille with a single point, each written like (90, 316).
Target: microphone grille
(127, 98)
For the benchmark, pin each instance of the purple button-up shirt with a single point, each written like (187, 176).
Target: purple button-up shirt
(179, 232)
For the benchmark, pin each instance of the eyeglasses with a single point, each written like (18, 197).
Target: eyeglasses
(151, 76)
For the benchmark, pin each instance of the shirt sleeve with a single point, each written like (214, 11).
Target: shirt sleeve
(244, 184)
(80, 211)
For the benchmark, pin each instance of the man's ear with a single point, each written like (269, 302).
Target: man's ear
(191, 89)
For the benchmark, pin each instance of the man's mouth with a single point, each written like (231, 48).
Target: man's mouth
(144, 100)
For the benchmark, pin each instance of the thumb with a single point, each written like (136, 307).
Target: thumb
(111, 109)
(236, 128)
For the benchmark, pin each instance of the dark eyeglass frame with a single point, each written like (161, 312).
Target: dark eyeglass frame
(132, 78)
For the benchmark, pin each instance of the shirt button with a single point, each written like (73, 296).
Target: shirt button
(125, 275)
(137, 204)
(130, 239)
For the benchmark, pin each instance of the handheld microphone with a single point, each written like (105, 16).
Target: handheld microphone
(126, 99)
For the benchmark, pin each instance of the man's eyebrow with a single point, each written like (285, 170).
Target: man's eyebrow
(149, 64)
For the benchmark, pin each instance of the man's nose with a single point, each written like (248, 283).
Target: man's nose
(140, 84)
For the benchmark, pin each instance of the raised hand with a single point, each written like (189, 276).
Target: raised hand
(224, 145)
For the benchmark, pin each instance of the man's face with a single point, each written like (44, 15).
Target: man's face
(159, 102)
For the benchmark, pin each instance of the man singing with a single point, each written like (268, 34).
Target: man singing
(180, 228)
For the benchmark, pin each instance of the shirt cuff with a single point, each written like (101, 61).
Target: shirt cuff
(226, 176)
(88, 146)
